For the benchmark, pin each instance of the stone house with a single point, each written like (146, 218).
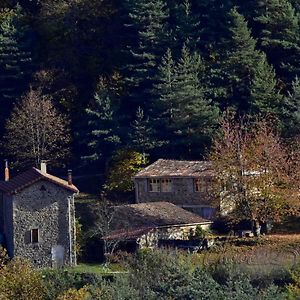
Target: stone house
(187, 184)
(146, 224)
(37, 218)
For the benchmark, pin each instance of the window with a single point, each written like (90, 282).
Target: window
(166, 185)
(199, 185)
(163, 185)
(203, 185)
(34, 236)
(154, 185)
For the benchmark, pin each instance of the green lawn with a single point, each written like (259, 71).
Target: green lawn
(97, 268)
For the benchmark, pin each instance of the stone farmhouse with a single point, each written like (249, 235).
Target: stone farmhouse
(184, 183)
(37, 217)
(145, 225)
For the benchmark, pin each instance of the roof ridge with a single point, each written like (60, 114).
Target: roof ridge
(177, 168)
(31, 176)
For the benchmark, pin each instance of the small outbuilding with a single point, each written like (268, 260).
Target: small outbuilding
(146, 224)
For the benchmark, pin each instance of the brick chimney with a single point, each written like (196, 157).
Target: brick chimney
(70, 181)
(44, 166)
(6, 171)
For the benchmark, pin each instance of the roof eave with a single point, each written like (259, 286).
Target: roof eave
(172, 176)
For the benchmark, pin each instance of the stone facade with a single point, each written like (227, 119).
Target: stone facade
(38, 223)
(151, 239)
(182, 194)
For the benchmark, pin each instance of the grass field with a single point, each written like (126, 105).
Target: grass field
(268, 257)
(97, 268)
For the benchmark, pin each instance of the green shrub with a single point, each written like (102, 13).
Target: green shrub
(57, 282)
(199, 233)
(293, 289)
(172, 275)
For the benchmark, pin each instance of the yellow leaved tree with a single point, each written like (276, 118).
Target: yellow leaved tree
(18, 280)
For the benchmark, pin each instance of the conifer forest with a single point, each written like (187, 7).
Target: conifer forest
(151, 76)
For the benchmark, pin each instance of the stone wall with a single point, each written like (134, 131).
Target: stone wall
(150, 240)
(49, 208)
(182, 193)
(8, 223)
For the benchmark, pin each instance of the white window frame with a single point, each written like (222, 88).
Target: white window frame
(166, 185)
(154, 185)
(31, 236)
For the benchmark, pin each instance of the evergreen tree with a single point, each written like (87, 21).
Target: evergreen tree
(194, 114)
(296, 5)
(141, 135)
(291, 111)
(214, 22)
(15, 59)
(249, 79)
(186, 27)
(264, 98)
(164, 92)
(148, 20)
(186, 115)
(280, 37)
(102, 137)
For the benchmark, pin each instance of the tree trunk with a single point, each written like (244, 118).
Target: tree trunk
(256, 228)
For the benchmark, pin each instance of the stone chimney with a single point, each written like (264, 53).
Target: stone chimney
(70, 181)
(44, 166)
(6, 171)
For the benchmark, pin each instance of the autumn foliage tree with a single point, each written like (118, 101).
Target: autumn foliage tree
(18, 280)
(125, 164)
(256, 174)
(36, 131)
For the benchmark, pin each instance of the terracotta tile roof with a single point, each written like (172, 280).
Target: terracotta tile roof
(29, 177)
(177, 168)
(154, 214)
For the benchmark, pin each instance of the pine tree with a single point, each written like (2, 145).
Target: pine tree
(194, 114)
(264, 98)
(280, 37)
(148, 20)
(291, 111)
(141, 133)
(214, 21)
(296, 5)
(102, 137)
(186, 27)
(15, 59)
(186, 115)
(164, 92)
(249, 79)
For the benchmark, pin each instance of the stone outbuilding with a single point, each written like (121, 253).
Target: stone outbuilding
(37, 218)
(187, 184)
(146, 224)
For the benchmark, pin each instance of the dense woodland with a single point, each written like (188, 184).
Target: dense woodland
(151, 76)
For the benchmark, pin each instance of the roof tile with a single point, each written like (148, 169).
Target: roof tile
(134, 220)
(29, 177)
(177, 168)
